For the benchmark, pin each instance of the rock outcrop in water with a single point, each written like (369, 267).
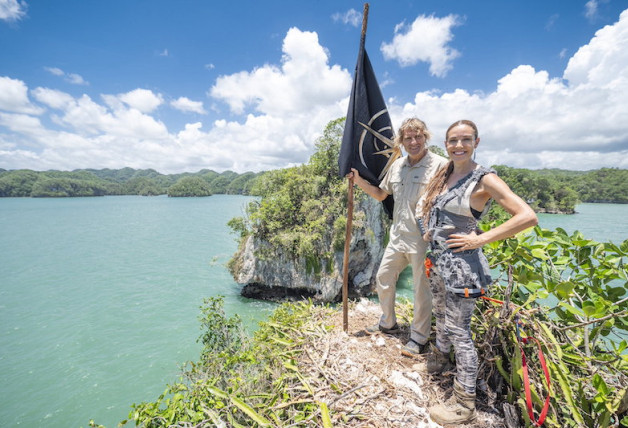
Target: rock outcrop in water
(282, 277)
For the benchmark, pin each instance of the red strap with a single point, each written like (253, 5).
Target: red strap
(490, 299)
(526, 383)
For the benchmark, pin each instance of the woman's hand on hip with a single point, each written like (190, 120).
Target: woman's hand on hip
(459, 242)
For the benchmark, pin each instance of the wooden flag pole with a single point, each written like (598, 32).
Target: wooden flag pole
(345, 261)
(365, 18)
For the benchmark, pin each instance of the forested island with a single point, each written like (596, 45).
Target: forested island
(558, 191)
(546, 190)
(125, 181)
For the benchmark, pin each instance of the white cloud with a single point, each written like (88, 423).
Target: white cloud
(187, 105)
(351, 17)
(142, 99)
(54, 70)
(304, 81)
(427, 40)
(76, 79)
(117, 118)
(535, 121)
(12, 10)
(14, 97)
(73, 78)
(549, 25)
(21, 123)
(53, 98)
(590, 9)
(604, 60)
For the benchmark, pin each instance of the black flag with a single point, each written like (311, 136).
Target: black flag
(359, 146)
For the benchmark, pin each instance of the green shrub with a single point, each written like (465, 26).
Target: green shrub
(241, 381)
(569, 293)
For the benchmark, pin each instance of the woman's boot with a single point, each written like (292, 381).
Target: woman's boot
(435, 362)
(459, 409)
(438, 362)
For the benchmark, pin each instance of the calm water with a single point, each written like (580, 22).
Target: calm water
(99, 297)
(99, 301)
(600, 222)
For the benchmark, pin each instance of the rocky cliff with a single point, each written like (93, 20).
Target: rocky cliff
(282, 277)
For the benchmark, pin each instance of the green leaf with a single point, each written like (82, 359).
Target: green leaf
(531, 285)
(548, 334)
(290, 366)
(325, 415)
(248, 410)
(500, 367)
(562, 260)
(589, 308)
(217, 392)
(565, 289)
(574, 310)
(600, 385)
(516, 370)
(282, 341)
(615, 293)
(213, 415)
(566, 389)
(539, 253)
(305, 383)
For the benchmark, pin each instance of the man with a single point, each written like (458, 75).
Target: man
(406, 181)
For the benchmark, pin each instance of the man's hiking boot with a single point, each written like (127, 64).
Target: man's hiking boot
(459, 409)
(414, 348)
(377, 328)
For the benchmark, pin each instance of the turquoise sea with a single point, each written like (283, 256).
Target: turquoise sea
(100, 297)
(600, 222)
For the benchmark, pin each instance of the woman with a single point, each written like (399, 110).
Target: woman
(455, 200)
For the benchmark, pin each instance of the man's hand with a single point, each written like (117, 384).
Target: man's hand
(354, 174)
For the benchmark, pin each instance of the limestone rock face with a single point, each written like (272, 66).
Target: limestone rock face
(281, 277)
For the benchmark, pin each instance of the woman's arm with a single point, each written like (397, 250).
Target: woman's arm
(370, 189)
(523, 217)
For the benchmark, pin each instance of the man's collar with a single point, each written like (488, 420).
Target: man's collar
(426, 158)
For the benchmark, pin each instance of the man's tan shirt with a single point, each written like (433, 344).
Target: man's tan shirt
(407, 183)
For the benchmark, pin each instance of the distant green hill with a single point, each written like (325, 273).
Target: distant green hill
(125, 181)
(546, 190)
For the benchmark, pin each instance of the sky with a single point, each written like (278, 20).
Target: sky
(184, 85)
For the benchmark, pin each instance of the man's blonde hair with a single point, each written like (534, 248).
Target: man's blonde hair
(412, 124)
